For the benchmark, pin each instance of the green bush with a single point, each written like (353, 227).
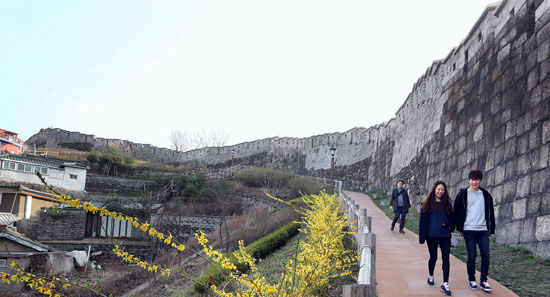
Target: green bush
(92, 157)
(55, 212)
(263, 177)
(111, 163)
(306, 186)
(113, 203)
(259, 249)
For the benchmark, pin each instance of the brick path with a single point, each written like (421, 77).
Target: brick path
(401, 262)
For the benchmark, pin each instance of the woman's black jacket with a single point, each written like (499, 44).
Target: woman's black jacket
(424, 225)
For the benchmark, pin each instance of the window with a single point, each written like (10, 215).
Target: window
(28, 168)
(3, 263)
(20, 167)
(73, 176)
(12, 166)
(6, 164)
(44, 170)
(37, 169)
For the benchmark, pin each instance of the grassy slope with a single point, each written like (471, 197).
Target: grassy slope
(516, 268)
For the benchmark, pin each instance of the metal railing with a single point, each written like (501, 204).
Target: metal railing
(366, 245)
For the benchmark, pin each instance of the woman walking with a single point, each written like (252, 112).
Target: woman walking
(435, 228)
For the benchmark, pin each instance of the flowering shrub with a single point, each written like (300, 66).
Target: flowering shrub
(259, 249)
(321, 256)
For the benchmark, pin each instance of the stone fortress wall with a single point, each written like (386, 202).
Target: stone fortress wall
(485, 105)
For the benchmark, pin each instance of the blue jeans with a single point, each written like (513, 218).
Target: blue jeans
(481, 239)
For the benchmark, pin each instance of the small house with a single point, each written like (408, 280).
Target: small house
(15, 246)
(21, 169)
(10, 143)
(23, 202)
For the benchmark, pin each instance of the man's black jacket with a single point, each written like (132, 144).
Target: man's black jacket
(406, 201)
(460, 207)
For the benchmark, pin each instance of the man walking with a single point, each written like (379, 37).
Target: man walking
(399, 199)
(475, 220)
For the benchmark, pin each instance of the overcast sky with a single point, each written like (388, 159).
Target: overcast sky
(136, 70)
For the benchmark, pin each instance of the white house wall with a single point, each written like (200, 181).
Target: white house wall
(55, 177)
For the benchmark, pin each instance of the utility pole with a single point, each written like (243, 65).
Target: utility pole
(332, 151)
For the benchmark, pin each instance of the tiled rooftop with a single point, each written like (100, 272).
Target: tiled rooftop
(42, 161)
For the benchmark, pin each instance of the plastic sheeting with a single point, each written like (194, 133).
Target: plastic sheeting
(80, 256)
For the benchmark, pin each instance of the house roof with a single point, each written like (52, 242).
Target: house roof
(42, 161)
(7, 132)
(21, 239)
(7, 218)
(24, 190)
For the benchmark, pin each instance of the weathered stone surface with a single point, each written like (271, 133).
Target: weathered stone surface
(509, 190)
(527, 233)
(499, 155)
(535, 137)
(519, 209)
(505, 212)
(543, 49)
(544, 69)
(540, 182)
(523, 186)
(509, 233)
(524, 164)
(545, 203)
(543, 228)
(71, 226)
(532, 78)
(544, 156)
(500, 174)
(112, 184)
(511, 128)
(542, 249)
(478, 133)
(510, 149)
(523, 144)
(546, 132)
(533, 205)
(497, 193)
(510, 169)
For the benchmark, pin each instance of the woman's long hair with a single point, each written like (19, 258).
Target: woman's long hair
(429, 202)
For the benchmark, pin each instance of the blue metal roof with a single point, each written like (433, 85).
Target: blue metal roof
(7, 218)
(19, 238)
(10, 141)
(43, 161)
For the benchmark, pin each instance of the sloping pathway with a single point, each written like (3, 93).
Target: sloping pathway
(402, 263)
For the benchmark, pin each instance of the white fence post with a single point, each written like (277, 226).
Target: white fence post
(366, 244)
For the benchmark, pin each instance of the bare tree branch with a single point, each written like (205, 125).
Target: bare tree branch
(181, 141)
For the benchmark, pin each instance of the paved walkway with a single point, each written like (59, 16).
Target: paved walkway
(402, 263)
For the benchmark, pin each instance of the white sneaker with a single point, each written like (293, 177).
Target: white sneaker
(430, 280)
(445, 288)
(472, 286)
(485, 287)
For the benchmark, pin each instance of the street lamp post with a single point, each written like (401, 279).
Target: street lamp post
(332, 151)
